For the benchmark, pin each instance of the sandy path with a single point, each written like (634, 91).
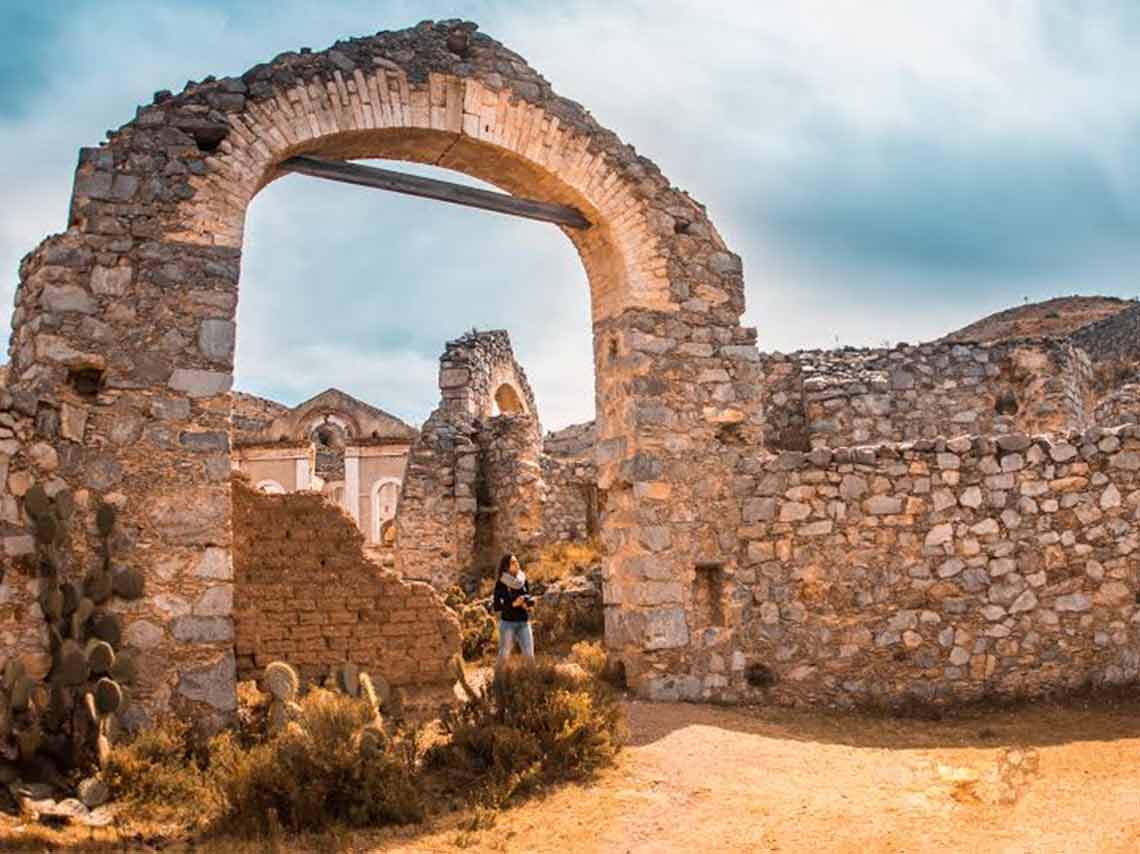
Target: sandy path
(697, 778)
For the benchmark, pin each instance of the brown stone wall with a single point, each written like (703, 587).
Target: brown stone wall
(20, 630)
(569, 499)
(834, 398)
(252, 415)
(940, 571)
(472, 369)
(510, 488)
(435, 519)
(305, 593)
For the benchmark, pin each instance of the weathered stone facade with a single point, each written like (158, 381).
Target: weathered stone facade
(350, 451)
(727, 568)
(305, 593)
(935, 570)
(478, 484)
(834, 398)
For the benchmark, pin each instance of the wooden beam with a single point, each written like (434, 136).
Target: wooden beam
(430, 188)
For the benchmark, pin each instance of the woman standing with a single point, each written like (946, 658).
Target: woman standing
(513, 601)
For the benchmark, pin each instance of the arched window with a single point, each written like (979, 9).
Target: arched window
(385, 494)
(271, 487)
(507, 400)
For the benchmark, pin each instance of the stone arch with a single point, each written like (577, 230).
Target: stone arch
(376, 501)
(142, 289)
(508, 401)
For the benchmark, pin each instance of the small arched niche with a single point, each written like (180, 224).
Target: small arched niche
(508, 401)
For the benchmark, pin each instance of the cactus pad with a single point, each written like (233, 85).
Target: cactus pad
(128, 583)
(21, 694)
(348, 679)
(282, 681)
(108, 627)
(13, 671)
(51, 601)
(108, 696)
(47, 528)
(105, 519)
(100, 656)
(71, 666)
(71, 597)
(36, 502)
(97, 586)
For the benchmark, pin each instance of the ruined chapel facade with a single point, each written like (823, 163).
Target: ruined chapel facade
(934, 524)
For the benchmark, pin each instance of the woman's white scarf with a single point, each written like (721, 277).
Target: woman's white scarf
(515, 582)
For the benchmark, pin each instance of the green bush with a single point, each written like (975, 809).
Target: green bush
(540, 722)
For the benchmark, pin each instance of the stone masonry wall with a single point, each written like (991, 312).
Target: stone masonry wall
(305, 593)
(473, 367)
(22, 630)
(435, 516)
(941, 571)
(833, 398)
(569, 499)
(510, 488)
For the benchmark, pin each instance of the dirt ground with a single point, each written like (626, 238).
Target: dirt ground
(1044, 779)
(695, 778)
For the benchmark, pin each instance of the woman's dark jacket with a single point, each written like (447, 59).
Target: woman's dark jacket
(504, 596)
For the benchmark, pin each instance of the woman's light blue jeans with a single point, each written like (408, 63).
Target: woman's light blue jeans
(511, 633)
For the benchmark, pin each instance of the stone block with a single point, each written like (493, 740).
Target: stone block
(214, 684)
(199, 383)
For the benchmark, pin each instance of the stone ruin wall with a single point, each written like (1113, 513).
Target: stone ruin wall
(305, 593)
(837, 398)
(252, 415)
(474, 487)
(728, 568)
(435, 516)
(510, 488)
(569, 500)
(940, 571)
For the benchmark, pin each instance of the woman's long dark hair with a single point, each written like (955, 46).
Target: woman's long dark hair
(505, 563)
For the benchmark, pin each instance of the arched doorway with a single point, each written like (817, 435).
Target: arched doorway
(384, 496)
(156, 226)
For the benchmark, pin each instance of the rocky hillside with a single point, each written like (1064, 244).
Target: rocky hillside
(1050, 319)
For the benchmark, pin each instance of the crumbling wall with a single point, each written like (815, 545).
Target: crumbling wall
(938, 571)
(474, 367)
(833, 398)
(20, 632)
(1119, 406)
(435, 517)
(570, 500)
(305, 593)
(510, 490)
(252, 415)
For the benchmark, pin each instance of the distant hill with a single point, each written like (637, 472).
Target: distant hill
(1052, 318)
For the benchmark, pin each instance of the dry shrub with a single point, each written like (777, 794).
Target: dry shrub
(560, 560)
(592, 657)
(571, 622)
(480, 631)
(322, 769)
(161, 774)
(539, 723)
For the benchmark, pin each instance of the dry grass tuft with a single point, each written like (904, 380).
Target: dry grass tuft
(561, 560)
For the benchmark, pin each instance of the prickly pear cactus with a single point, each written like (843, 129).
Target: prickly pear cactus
(42, 722)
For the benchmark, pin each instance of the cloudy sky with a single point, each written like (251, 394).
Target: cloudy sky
(888, 171)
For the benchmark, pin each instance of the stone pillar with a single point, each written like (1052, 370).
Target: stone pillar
(352, 482)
